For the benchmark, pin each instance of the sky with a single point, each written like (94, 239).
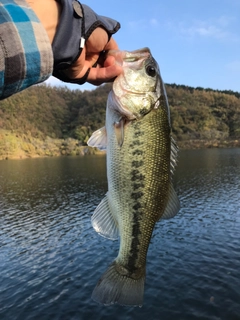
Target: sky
(195, 42)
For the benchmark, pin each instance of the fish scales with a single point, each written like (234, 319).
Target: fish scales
(141, 157)
(142, 181)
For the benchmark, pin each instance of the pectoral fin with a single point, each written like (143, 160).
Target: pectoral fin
(98, 139)
(103, 221)
(173, 205)
(119, 131)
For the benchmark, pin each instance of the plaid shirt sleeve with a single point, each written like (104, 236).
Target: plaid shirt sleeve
(26, 56)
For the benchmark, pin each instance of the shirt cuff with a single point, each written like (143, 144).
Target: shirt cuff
(26, 56)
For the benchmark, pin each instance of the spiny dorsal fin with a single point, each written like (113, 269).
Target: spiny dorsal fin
(98, 139)
(103, 221)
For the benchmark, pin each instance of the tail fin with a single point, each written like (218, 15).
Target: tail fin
(114, 287)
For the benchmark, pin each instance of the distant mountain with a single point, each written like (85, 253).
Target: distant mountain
(200, 118)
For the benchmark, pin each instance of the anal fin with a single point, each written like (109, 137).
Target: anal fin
(103, 221)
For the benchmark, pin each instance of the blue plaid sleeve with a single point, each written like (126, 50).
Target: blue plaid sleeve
(26, 56)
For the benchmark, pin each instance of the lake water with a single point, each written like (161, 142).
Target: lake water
(51, 258)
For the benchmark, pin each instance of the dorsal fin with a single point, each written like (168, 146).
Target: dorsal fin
(173, 155)
(173, 205)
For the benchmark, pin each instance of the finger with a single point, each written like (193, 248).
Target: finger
(77, 71)
(92, 58)
(78, 68)
(109, 61)
(111, 45)
(81, 66)
(97, 40)
(100, 57)
(98, 75)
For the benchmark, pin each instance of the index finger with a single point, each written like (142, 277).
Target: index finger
(107, 73)
(111, 45)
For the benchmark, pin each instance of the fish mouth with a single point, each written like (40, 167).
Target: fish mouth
(129, 56)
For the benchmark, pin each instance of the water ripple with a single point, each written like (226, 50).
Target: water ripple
(51, 259)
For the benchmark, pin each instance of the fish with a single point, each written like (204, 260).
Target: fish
(141, 157)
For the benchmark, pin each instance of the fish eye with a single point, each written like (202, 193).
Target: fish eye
(151, 71)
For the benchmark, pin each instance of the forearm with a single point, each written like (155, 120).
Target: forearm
(25, 50)
(48, 12)
(60, 37)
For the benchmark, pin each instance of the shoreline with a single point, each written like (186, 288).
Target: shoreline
(15, 146)
(70, 147)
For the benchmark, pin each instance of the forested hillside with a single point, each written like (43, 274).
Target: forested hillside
(43, 120)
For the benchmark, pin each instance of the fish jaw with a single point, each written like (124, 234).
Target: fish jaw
(130, 57)
(135, 92)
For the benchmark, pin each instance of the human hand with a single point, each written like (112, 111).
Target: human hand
(106, 69)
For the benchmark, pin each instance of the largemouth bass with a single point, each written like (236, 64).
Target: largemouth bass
(141, 156)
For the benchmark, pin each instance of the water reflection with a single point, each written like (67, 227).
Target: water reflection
(50, 257)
